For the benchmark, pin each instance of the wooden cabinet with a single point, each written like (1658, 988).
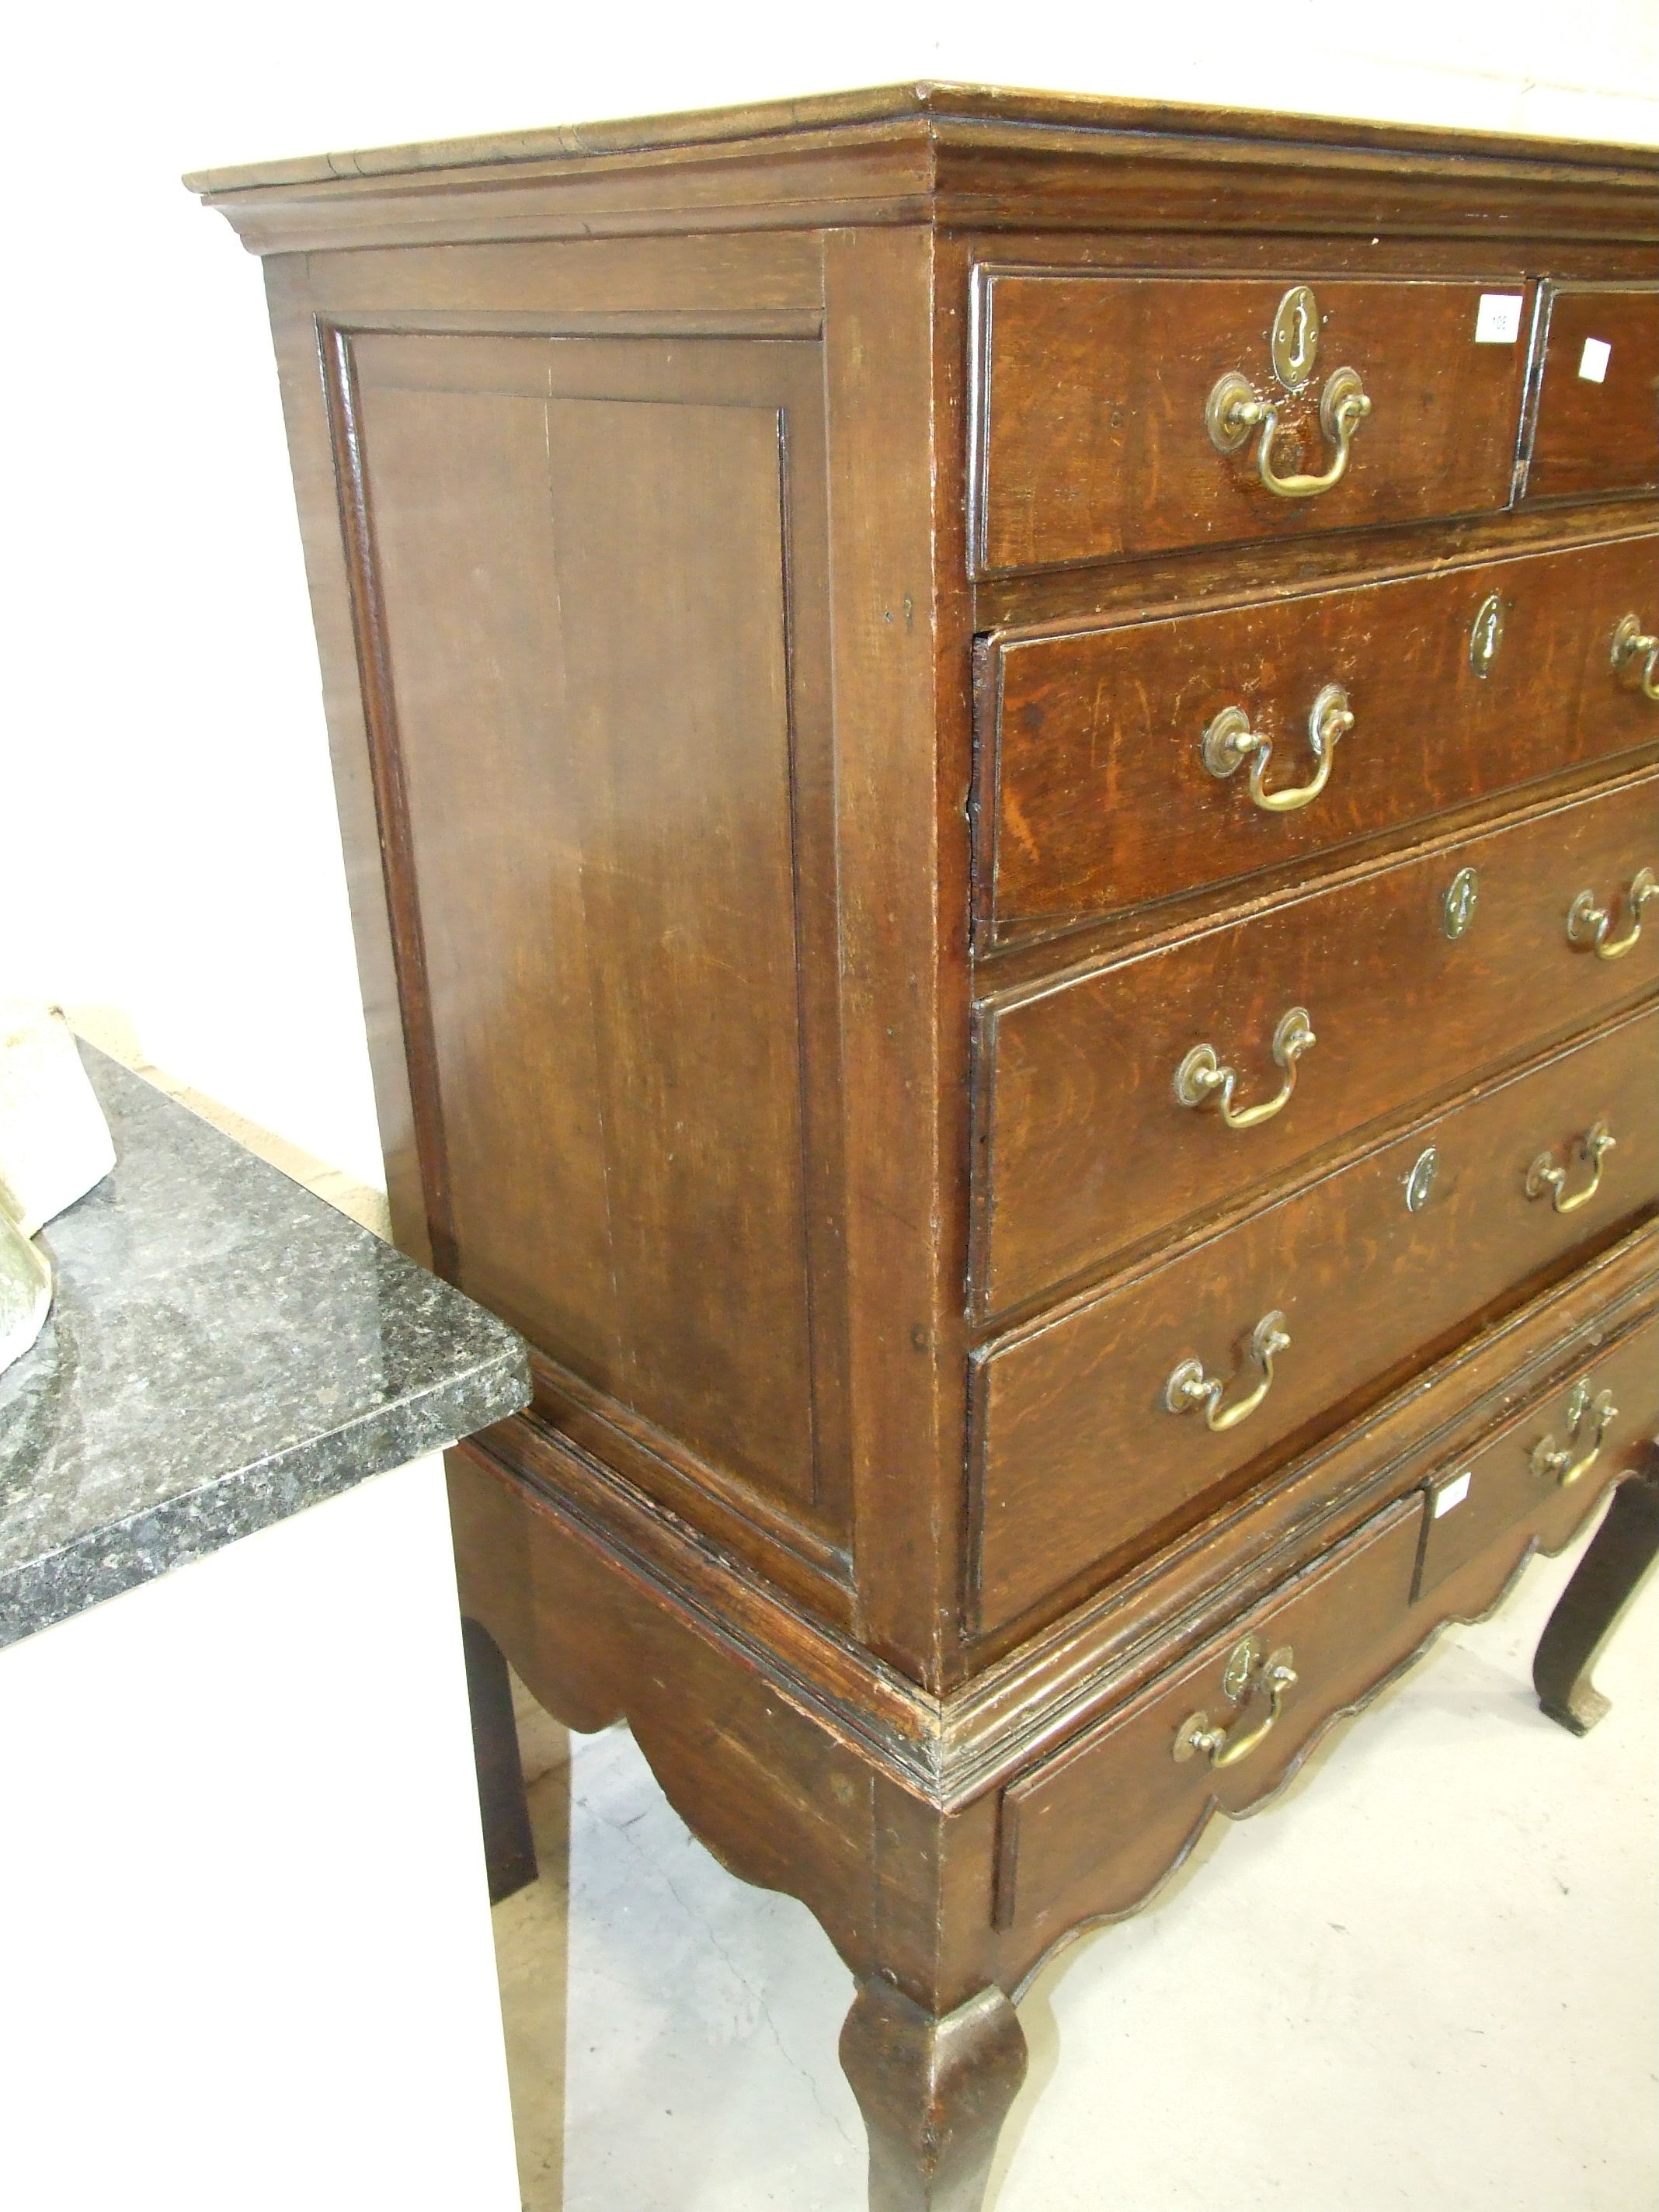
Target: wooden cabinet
(1003, 847)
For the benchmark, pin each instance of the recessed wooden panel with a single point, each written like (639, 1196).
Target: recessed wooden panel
(1091, 439)
(1081, 1461)
(590, 601)
(1087, 1151)
(1094, 797)
(1596, 426)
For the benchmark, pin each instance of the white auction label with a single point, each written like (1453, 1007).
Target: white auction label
(1498, 320)
(1593, 361)
(1453, 1493)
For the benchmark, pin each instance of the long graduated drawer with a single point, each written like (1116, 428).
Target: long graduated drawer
(1099, 1430)
(1130, 1096)
(1104, 784)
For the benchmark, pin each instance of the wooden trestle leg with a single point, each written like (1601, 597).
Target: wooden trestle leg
(934, 2091)
(1606, 1579)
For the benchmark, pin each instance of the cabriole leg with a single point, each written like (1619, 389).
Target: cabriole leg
(1620, 1553)
(934, 2092)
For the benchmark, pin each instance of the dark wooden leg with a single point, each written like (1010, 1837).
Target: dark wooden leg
(1620, 1553)
(934, 2092)
(509, 1847)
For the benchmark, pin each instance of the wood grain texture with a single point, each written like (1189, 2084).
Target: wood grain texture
(1118, 1794)
(634, 465)
(1094, 798)
(1597, 433)
(1085, 1151)
(934, 2092)
(591, 612)
(1092, 443)
(975, 103)
(1473, 1504)
(1080, 1459)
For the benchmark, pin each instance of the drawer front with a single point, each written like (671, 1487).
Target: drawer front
(1097, 400)
(1092, 1442)
(1095, 795)
(1596, 426)
(1089, 1146)
(1110, 1812)
(1545, 1470)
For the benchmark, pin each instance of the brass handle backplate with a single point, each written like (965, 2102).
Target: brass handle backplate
(1544, 1175)
(1204, 1077)
(1588, 1420)
(1588, 923)
(1250, 1679)
(1190, 1386)
(1636, 657)
(1230, 741)
(1234, 409)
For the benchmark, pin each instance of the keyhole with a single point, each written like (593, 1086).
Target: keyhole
(1461, 894)
(1299, 339)
(1486, 635)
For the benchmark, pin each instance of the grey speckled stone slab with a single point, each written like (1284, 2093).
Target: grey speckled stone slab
(224, 1350)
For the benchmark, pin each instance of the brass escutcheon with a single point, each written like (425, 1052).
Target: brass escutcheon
(1295, 341)
(1247, 1678)
(1457, 907)
(1486, 635)
(1557, 1463)
(1544, 1175)
(1589, 923)
(1420, 1181)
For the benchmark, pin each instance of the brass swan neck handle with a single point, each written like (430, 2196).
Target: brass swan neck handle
(1203, 1078)
(1230, 741)
(1189, 1386)
(1234, 410)
(1589, 923)
(1546, 1175)
(1250, 1679)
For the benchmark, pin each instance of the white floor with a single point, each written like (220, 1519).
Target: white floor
(1425, 1977)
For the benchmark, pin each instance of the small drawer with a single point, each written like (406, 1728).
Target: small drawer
(1101, 1431)
(1595, 427)
(1105, 1114)
(1545, 1470)
(1125, 415)
(1123, 764)
(1094, 1827)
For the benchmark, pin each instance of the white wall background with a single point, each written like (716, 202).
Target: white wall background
(169, 848)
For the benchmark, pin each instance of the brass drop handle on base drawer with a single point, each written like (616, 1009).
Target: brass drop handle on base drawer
(1189, 1386)
(1636, 657)
(1203, 1075)
(1249, 1676)
(1551, 1461)
(1230, 741)
(1234, 410)
(1544, 1175)
(1587, 923)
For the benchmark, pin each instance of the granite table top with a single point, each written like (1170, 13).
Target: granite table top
(224, 1349)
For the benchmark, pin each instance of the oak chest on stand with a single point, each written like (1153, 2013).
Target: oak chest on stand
(997, 754)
